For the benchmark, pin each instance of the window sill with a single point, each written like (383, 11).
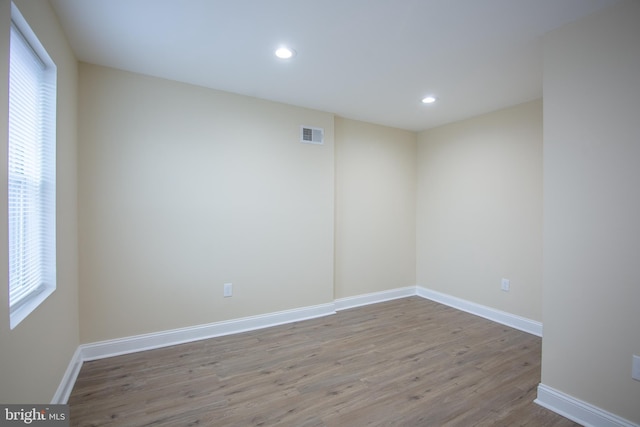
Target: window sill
(27, 308)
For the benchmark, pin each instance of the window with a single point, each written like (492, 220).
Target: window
(31, 171)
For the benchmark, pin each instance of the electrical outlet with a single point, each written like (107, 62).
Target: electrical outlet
(228, 290)
(635, 370)
(505, 285)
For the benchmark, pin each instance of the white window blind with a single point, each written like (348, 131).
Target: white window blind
(31, 172)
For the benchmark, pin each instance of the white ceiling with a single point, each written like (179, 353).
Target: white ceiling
(370, 60)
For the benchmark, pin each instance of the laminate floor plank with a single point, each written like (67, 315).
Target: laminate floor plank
(406, 362)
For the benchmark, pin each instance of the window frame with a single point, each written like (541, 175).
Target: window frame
(47, 88)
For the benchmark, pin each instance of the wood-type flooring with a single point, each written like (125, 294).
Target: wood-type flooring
(407, 362)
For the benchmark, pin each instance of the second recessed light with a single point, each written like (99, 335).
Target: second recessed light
(285, 53)
(429, 99)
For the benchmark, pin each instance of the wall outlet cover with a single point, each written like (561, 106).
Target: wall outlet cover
(228, 290)
(635, 371)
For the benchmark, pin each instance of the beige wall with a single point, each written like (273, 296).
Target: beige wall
(182, 189)
(592, 209)
(375, 208)
(479, 207)
(35, 354)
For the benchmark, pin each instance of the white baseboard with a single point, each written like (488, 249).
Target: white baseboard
(511, 320)
(577, 410)
(100, 350)
(115, 347)
(373, 298)
(63, 392)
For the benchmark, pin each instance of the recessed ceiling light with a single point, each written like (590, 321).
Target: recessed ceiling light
(429, 99)
(285, 53)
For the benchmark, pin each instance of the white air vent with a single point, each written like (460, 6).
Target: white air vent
(310, 135)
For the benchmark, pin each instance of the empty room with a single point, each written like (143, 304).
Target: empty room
(321, 213)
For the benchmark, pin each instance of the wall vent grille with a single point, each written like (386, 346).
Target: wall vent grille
(310, 135)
